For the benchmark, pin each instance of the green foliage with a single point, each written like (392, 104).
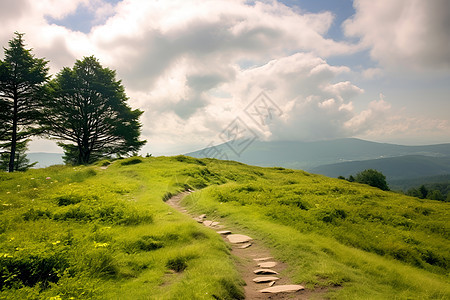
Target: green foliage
(22, 84)
(87, 110)
(131, 161)
(21, 162)
(372, 178)
(436, 191)
(29, 270)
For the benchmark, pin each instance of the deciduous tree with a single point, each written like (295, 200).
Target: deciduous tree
(373, 178)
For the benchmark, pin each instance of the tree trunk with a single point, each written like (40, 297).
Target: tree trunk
(12, 154)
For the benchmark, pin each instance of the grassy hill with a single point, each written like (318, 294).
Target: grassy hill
(105, 233)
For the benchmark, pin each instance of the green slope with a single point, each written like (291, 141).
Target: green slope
(107, 234)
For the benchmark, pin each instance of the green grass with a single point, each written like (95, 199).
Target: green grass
(95, 233)
(369, 243)
(91, 233)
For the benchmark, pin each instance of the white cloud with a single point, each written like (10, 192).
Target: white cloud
(412, 34)
(182, 62)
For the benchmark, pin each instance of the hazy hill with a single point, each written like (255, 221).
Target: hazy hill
(395, 168)
(308, 155)
(45, 159)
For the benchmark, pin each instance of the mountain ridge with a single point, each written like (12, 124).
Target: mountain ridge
(309, 155)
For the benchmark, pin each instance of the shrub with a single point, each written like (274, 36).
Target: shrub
(30, 270)
(178, 264)
(131, 161)
(36, 214)
(68, 200)
(189, 160)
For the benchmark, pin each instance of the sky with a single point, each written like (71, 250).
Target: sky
(204, 71)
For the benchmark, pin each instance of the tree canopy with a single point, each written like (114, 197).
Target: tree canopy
(87, 112)
(22, 82)
(373, 178)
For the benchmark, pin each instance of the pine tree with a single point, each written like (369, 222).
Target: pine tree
(87, 112)
(21, 162)
(22, 81)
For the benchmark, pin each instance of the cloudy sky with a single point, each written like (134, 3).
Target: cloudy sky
(313, 69)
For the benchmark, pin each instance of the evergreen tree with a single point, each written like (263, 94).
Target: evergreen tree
(22, 81)
(21, 162)
(423, 192)
(88, 114)
(435, 195)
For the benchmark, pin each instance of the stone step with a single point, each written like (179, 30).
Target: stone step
(289, 288)
(245, 246)
(210, 223)
(265, 272)
(265, 279)
(238, 238)
(268, 264)
(263, 258)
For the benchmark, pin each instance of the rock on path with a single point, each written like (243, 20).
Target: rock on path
(238, 238)
(265, 279)
(289, 288)
(269, 264)
(265, 272)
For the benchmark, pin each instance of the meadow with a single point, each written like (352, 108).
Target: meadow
(104, 232)
(96, 233)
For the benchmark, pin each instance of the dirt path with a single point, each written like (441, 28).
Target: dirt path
(248, 256)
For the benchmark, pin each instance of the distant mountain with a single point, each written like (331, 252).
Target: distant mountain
(45, 159)
(394, 168)
(309, 155)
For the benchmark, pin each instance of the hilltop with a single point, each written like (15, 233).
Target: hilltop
(104, 231)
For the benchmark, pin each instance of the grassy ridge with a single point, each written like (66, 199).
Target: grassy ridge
(88, 233)
(372, 243)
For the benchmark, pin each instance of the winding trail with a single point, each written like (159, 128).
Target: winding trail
(262, 274)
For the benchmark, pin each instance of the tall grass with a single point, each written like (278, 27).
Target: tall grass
(372, 244)
(95, 233)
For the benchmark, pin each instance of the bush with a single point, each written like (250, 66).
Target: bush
(30, 270)
(373, 178)
(178, 264)
(36, 214)
(68, 200)
(131, 161)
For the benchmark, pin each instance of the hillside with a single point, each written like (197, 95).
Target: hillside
(394, 168)
(104, 232)
(308, 155)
